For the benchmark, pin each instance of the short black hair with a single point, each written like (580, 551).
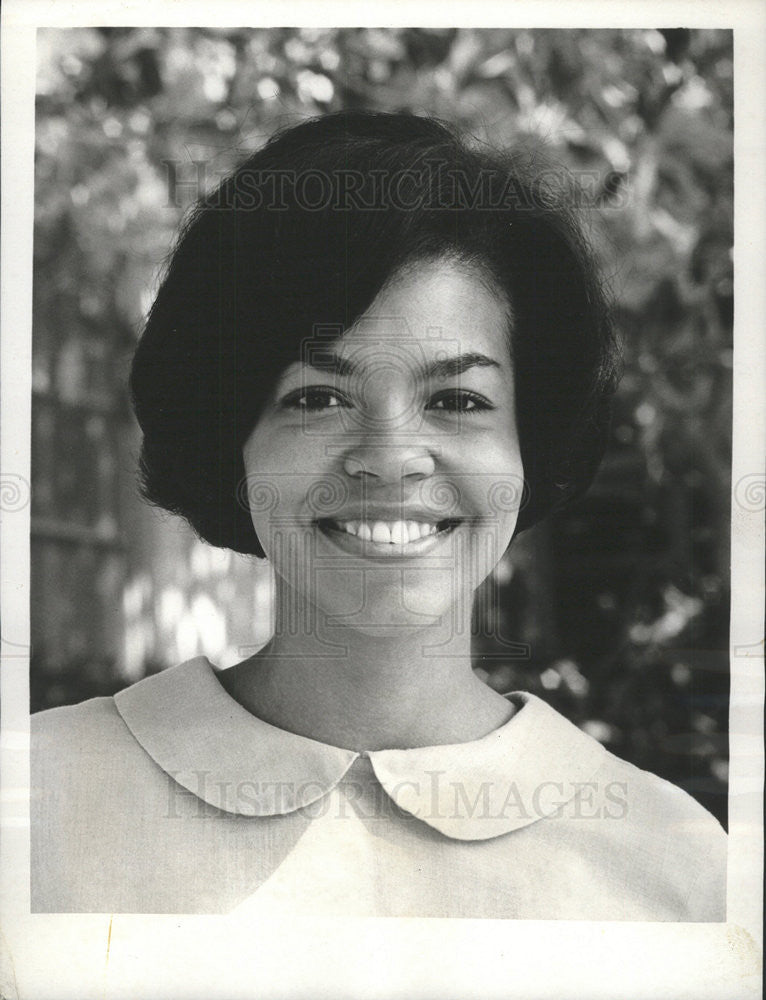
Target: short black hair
(308, 230)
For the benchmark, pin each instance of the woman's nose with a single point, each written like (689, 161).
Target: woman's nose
(389, 447)
(389, 462)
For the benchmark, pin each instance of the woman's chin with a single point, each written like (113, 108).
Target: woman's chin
(384, 632)
(381, 619)
(386, 615)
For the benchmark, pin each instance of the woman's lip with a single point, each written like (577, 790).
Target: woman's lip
(382, 550)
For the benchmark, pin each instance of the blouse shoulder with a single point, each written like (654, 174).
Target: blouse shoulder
(687, 845)
(76, 752)
(88, 777)
(656, 797)
(84, 729)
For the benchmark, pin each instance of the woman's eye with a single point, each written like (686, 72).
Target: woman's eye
(459, 401)
(314, 398)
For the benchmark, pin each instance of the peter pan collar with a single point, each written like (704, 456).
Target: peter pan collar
(207, 742)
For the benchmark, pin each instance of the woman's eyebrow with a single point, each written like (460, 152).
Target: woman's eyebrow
(442, 368)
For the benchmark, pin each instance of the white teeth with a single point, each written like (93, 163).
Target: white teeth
(391, 533)
(399, 533)
(381, 532)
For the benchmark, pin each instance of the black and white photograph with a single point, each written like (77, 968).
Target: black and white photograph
(383, 491)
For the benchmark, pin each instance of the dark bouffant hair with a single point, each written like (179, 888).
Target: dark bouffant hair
(306, 232)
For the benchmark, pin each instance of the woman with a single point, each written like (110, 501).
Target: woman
(376, 356)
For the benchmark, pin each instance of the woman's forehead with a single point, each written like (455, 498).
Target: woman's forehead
(436, 319)
(433, 295)
(432, 312)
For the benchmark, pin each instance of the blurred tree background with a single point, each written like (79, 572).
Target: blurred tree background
(621, 604)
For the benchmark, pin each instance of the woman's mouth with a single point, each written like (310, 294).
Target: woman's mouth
(387, 538)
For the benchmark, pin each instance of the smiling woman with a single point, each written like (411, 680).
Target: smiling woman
(422, 409)
(377, 355)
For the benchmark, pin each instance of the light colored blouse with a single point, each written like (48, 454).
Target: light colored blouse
(172, 798)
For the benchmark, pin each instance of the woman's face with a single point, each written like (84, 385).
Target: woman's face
(384, 476)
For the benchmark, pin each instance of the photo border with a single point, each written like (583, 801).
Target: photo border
(157, 956)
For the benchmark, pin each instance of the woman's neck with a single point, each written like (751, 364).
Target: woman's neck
(399, 688)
